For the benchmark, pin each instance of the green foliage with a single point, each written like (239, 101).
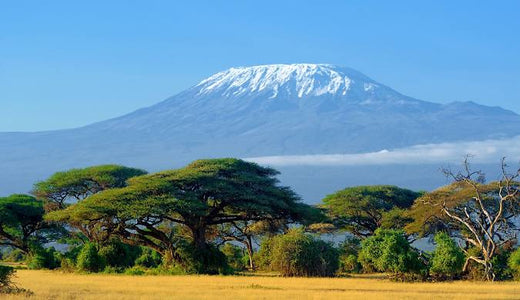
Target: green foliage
(447, 258)
(203, 194)
(148, 258)
(501, 266)
(21, 222)
(135, 271)
(361, 210)
(43, 258)
(427, 214)
(235, 256)
(348, 255)
(396, 218)
(514, 263)
(89, 259)
(298, 254)
(76, 184)
(388, 250)
(119, 255)
(202, 260)
(263, 256)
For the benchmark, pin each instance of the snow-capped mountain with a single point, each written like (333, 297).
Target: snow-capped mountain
(292, 109)
(298, 80)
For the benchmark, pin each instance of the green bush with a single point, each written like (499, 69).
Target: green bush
(148, 258)
(119, 255)
(202, 260)
(42, 258)
(263, 256)
(136, 271)
(235, 256)
(298, 254)
(89, 259)
(514, 263)
(348, 255)
(447, 258)
(390, 251)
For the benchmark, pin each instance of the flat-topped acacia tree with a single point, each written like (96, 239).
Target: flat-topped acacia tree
(154, 209)
(361, 210)
(62, 189)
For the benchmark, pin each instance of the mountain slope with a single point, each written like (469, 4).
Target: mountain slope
(255, 111)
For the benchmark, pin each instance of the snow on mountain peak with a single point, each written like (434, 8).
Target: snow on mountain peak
(301, 80)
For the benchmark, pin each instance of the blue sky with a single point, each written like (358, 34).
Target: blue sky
(70, 63)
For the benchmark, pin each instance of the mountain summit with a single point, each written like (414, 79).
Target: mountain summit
(282, 109)
(298, 80)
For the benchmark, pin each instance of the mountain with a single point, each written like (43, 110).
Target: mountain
(254, 111)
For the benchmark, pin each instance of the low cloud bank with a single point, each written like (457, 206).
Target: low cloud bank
(487, 151)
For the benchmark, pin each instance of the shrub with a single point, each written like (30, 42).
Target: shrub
(136, 271)
(514, 263)
(447, 258)
(89, 259)
(119, 255)
(235, 256)
(298, 254)
(348, 253)
(390, 251)
(206, 260)
(149, 258)
(263, 256)
(42, 258)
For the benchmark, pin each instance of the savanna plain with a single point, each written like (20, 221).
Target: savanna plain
(58, 285)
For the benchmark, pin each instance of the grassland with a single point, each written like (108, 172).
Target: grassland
(56, 285)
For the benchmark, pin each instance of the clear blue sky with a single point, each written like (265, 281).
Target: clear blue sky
(69, 63)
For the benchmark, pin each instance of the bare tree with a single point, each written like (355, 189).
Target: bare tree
(485, 219)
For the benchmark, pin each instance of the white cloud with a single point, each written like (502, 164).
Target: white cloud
(487, 151)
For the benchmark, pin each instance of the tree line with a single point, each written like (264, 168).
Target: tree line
(219, 216)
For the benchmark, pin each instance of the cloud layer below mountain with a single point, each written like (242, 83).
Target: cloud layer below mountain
(487, 151)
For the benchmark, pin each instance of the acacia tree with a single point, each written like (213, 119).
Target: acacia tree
(62, 189)
(362, 210)
(21, 223)
(158, 210)
(477, 213)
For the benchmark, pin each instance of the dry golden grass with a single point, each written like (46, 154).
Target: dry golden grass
(56, 285)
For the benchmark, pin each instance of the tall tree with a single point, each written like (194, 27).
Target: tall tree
(363, 209)
(157, 209)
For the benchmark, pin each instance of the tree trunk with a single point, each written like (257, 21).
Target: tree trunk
(249, 246)
(199, 237)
